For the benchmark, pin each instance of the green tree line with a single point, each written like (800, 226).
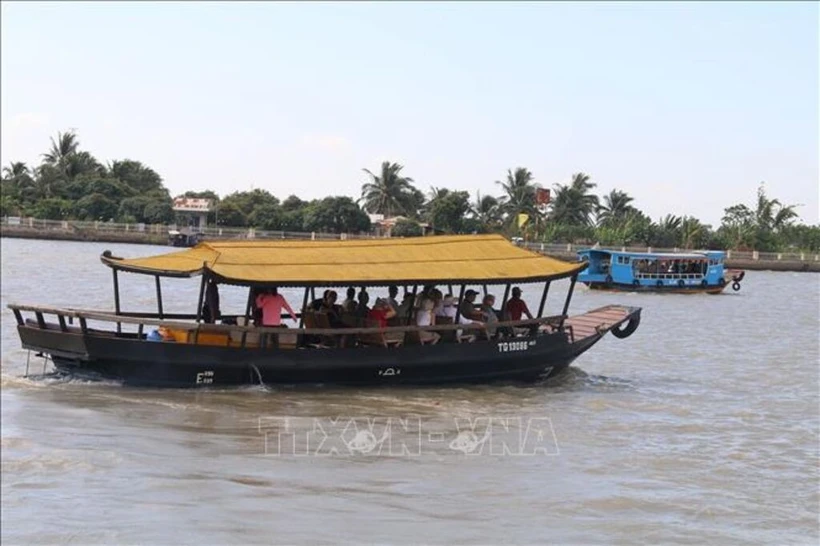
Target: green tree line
(70, 184)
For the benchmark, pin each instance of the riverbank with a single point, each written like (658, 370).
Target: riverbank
(752, 262)
(84, 235)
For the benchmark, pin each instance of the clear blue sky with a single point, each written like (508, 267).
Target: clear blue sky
(685, 106)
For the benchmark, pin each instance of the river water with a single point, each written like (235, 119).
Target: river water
(700, 428)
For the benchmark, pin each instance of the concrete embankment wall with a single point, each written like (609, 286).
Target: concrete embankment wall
(85, 235)
(767, 263)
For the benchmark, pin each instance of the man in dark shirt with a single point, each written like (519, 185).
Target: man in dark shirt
(318, 303)
(392, 292)
(362, 309)
(467, 308)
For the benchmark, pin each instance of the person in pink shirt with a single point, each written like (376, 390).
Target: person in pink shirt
(271, 304)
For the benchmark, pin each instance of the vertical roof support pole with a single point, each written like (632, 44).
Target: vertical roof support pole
(248, 305)
(304, 307)
(117, 298)
(458, 304)
(116, 292)
(569, 297)
(159, 297)
(414, 306)
(504, 302)
(543, 299)
(201, 296)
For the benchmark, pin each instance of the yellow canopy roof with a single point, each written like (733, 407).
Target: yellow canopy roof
(456, 258)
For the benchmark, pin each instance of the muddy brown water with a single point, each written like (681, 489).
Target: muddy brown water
(700, 428)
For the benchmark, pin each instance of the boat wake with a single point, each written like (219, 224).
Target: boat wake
(577, 379)
(52, 379)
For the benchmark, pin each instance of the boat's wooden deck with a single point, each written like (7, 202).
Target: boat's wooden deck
(600, 319)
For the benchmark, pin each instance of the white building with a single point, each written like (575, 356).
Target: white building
(192, 212)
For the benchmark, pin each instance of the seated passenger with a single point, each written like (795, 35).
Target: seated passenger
(426, 317)
(317, 304)
(381, 312)
(468, 312)
(406, 304)
(327, 305)
(160, 334)
(447, 307)
(490, 314)
(437, 297)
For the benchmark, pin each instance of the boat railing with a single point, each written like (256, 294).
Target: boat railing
(234, 335)
(670, 276)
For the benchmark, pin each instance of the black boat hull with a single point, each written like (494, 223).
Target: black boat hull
(139, 362)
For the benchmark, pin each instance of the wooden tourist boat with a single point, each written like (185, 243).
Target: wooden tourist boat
(120, 345)
(684, 273)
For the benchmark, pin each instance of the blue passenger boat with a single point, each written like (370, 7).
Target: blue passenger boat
(693, 272)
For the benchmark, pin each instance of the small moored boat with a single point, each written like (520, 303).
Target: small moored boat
(185, 237)
(191, 352)
(685, 273)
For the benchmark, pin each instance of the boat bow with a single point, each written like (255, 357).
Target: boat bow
(604, 319)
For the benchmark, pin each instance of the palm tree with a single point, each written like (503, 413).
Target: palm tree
(437, 193)
(17, 180)
(692, 232)
(573, 205)
(65, 146)
(771, 214)
(615, 208)
(47, 179)
(15, 171)
(80, 163)
(389, 193)
(784, 217)
(667, 232)
(519, 195)
(670, 222)
(487, 210)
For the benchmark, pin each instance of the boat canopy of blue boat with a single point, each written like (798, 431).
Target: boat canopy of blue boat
(620, 270)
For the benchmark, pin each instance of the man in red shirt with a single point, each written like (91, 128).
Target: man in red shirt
(516, 306)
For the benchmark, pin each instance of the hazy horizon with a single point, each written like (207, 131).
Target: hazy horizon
(687, 107)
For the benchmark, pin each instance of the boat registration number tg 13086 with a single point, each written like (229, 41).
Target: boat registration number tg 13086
(513, 346)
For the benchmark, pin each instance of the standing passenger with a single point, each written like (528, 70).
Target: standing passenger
(362, 309)
(392, 292)
(271, 304)
(349, 305)
(516, 307)
(210, 308)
